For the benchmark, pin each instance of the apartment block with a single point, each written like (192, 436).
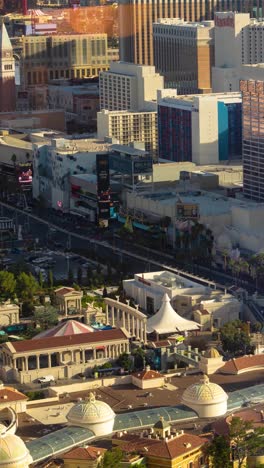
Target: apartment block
(126, 86)
(204, 129)
(184, 54)
(128, 127)
(45, 58)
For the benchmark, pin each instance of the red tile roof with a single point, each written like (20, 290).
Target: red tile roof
(241, 364)
(147, 375)
(254, 415)
(9, 394)
(202, 311)
(70, 340)
(84, 453)
(170, 449)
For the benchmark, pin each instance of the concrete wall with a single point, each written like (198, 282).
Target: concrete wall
(35, 403)
(89, 385)
(145, 384)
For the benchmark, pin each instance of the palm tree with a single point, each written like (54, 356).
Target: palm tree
(14, 158)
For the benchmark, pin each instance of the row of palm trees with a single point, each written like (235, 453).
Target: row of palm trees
(251, 268)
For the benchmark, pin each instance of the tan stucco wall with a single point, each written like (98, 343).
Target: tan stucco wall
(144, 384)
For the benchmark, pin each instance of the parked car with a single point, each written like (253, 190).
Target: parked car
(46, 379)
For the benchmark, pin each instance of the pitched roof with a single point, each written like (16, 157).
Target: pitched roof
(221, 427)
(84, 453)
(168, 449)
(63, 291)
(161, 343)
(203, 311)
(9, 394)
(71, 340)
(147, 374)
(166, 320)
(71, 327)
(241, 364)
(5, 43)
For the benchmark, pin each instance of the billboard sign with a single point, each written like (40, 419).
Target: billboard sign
(187, 211)
(103, 188)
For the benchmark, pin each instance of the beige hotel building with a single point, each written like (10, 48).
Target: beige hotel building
(184, 54)
(46, 58)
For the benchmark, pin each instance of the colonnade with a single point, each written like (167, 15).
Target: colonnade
(64, 357)
(122, 315)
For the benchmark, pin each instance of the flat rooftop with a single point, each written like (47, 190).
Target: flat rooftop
(131, 151)
(64, 146)
(168, 279)
(234, 97)
(181, 23)
(209, 202)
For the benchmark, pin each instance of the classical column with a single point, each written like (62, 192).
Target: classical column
(133, 325)
(37, 361)
(94, 353)
(66, 307)
(83, 356)
(137, 330)
(145, 332)
(23, 363)
(107, 314)
(14, 363)
(26, 363)
(123, 319)
(49, 360)
(113, 315)
(128, 322)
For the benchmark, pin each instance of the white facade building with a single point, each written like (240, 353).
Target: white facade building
(232, 221)
(54, 163)
(239, 40)
(205, 127)
(126, 86)
(148, 289)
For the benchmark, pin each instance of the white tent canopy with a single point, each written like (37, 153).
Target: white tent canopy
(166, 320)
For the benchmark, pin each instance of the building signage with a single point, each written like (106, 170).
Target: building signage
(224, 22)
(142, 280)
(103, 188)
(187, 211)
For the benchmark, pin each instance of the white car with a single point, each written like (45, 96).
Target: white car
(46, 379)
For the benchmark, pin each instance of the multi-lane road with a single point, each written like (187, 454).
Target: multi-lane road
(86, 239)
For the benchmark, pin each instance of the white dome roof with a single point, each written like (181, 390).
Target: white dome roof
(13, 452)
(204, 393)
(90, 412)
